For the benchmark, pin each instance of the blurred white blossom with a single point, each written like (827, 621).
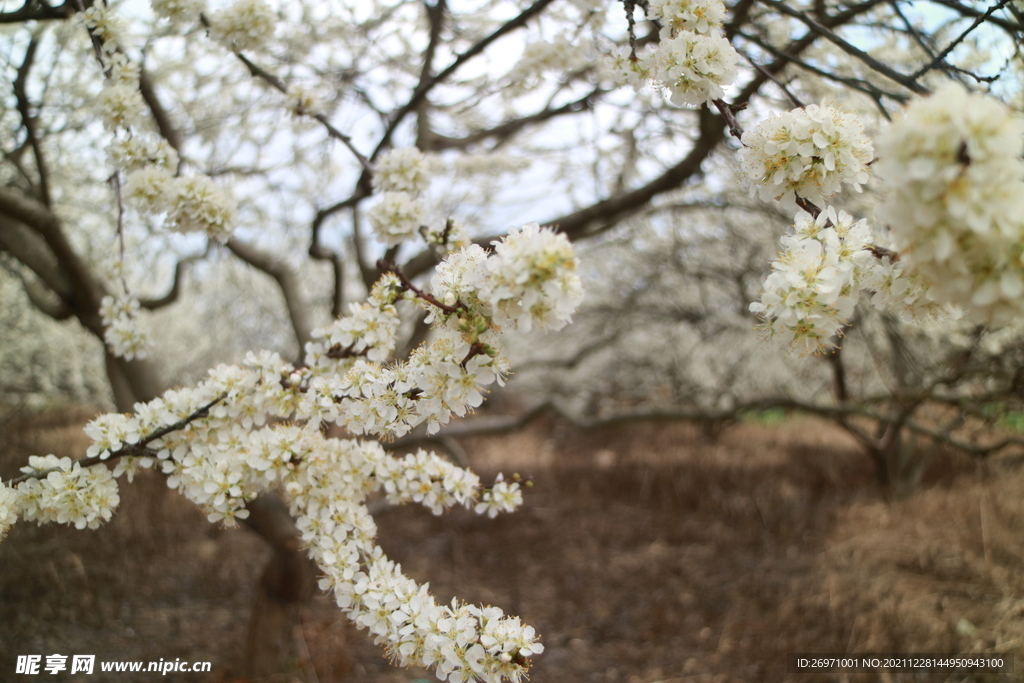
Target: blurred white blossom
(122, 329)
(243, 25)
(396, 217)
(952, 165)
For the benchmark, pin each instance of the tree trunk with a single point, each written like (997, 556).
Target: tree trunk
(132, 382)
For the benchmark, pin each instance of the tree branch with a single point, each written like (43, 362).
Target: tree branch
(37, 10)
(29, 121)
(175, 291)
(907, 82)
(287, 280)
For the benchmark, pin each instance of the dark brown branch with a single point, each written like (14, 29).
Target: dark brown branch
(282, 87)
(908, 82)
(424, 87)
(139, 450)
(963, 36)
(164, 124)
(504, 131)
(288, 282)
(968, 11)
(858, 84)
(735, 129)
(29, 121)
(175, 291)
(82, 294)
(37, 10)
(321, 253)
(386, 266)
(493, 426)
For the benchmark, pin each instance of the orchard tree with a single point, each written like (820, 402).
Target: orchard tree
(375, 146)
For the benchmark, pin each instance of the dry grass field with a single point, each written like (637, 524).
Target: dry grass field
(642, 554)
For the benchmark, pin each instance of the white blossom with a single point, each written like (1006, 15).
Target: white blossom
(814, 284)
(243, 25)
(898, 289)
(103, 23)
(694, 68)
(149, 188)
(197, 204)
(120, 105)
(533, 279)
(178, 12)
(110, 432)
(10, 504)
(370, 328)
(228, 443)
(503, 497)
(952, 165)
(404, 169)
(304, 101)
(623, 67)
(122, 69)
(138, 150)
(698, 16)
(808, 152)
(448, 236)
(68, 494)
(122, 329)
(396, 218)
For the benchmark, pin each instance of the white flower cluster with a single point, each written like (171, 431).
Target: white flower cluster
(110, 432)
(304, 101)
(503, 497)
(120, 105)
(122, 330)
(533, 279)
(952, 164)
(178, 12)
(141, 150)
(898, 288)
(530, 279)
(623, 67)
(435, 382)
(693, 62)
(694, 67)
(814, 284)
(405, 169)
(244, 25)
(447, 237)
(542, 57)
(808, 152)
(197, 204)
(106, 26)
(369, 329)
(401, 175)
(10, 506)
(193, 203)
(396, 218)
(67, 494)
(213, 443)
(697, 16)
(221, 463)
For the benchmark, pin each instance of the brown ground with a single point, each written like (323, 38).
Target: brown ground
(642, 555)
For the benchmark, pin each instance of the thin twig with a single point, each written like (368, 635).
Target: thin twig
(386, 266)
(139, 449)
